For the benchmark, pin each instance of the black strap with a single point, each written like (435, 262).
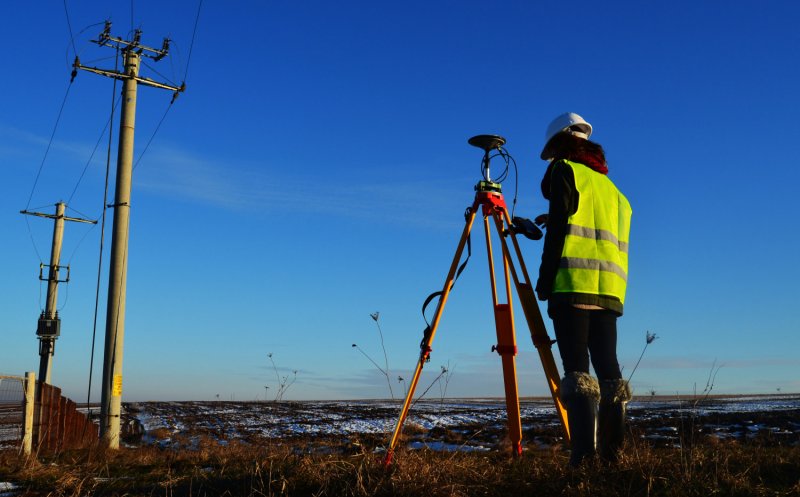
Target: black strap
(432, 296)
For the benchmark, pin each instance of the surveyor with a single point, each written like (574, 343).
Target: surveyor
(583, 277)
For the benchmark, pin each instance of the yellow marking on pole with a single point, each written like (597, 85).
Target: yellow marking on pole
(116, 387)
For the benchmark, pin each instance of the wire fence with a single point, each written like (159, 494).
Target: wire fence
(12, 400)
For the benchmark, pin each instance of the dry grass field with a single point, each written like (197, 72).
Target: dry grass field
(667, 454)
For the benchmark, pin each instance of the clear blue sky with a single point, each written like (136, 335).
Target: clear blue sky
(316, 170)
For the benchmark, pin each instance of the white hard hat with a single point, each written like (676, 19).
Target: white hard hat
(568, 122)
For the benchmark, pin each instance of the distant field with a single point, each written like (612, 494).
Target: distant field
(458, 424)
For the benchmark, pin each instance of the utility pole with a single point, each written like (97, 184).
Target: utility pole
(49, 327)
(132, 52)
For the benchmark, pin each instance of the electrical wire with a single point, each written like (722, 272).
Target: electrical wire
(194, 33)
(30, 233)
(67, 58)
(105, 203)
(96, 145)
(49, 144)
(102, 237)
(147, 146)
(69, 26)
(77, 212)
(173, 47)
(85, 235)
(66, 297)
(80, 242)
(33, 241)
(155, 71)
(90, 26)
(185, 74)
(41, 167)
(99, 59)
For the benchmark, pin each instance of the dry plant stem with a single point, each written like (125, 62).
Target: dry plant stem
(385, 357)
(277, 375)
(369, 359)
(649, 338)
(283, 383)
(435, 380)
(447, 371)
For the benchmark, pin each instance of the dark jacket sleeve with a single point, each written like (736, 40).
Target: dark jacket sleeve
(563, 203)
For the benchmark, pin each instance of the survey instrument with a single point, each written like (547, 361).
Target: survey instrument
(491, 204)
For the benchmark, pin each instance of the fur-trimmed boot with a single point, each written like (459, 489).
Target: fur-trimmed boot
(614, 397)
(580, 393)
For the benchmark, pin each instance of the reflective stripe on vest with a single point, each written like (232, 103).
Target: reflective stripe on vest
(595, 255)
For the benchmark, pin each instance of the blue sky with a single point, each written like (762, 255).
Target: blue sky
(316, 170)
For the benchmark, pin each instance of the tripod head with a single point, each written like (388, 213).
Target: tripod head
(487, 143)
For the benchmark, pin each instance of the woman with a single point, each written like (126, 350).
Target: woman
(583, 277)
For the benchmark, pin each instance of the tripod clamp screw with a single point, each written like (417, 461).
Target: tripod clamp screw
(505, 349)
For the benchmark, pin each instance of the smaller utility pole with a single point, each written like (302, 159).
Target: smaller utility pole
(49, 326)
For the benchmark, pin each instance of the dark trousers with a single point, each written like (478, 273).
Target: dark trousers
(582, 332)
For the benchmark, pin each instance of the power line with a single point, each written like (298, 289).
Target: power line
(33, 241)
(88, 162)
(194, 32)
(69, 26)
(76, 211)
(99, 59)
(108, 124)
(49, 144)
(102, 239)
(186, 72)
(146, 147)
(155, 71)
(80, 242)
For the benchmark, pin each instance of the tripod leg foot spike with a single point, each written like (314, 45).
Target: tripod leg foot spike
(387, 461)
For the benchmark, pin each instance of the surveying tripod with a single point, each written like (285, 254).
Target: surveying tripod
(489, 198)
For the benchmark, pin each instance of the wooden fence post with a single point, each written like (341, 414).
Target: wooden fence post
(28, 408)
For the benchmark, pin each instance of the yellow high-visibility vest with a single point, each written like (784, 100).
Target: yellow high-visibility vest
(595, 255)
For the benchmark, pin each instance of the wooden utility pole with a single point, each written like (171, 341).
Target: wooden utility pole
(48, 328)
(132, 52)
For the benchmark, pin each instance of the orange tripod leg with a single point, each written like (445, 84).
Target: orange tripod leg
(494, 205)
(506, 347)
(425, 346)
(533, 316)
